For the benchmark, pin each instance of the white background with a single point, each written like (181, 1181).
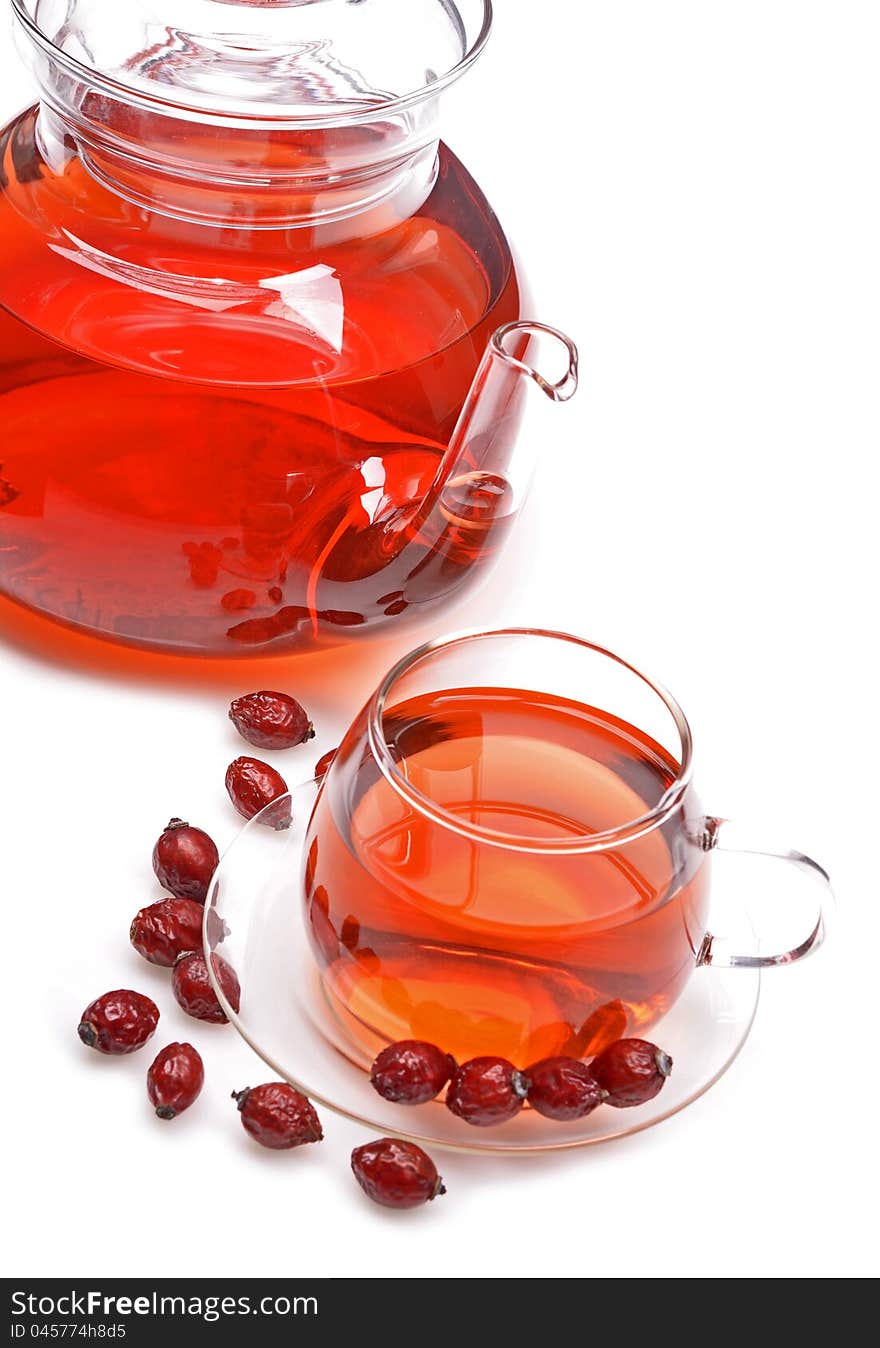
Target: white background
(694, 189)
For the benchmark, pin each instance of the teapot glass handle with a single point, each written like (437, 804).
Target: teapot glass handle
(724, 952)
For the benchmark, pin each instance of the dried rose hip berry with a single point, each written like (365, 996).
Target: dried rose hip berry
(396, 1174)
(118, 1022)
(323, 932)
(271, 720)
(184, 860)
(411, 1072)
(277, 1116)
(194, 991)
(175, 1080)
(216, 930)
(600, 1029)
(486, 1091)
(323, 764)
(252, 786)
(632, 1071)
(562, 1088)
(238, 601)
(167, 929)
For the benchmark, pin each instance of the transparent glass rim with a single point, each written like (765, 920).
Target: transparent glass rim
(278, 119)
(602, 841)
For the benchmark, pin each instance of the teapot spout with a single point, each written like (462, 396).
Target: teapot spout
(420, 553)
(487, 460)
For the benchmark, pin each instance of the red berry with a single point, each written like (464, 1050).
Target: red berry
(323, 764)
(601, 1028)
(215, 929)
(167, 929)
(396, 1174)
(271, 720)
(184, 860)
(277, 1116)
(562, 1088)
(175, 1080)
(237, 601)
(411, 1072)
(194, 991)
(252, 786)
(486, 1091)
(632, 1071)
(118, 1022)
(323, 932)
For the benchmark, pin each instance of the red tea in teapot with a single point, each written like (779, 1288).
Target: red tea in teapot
(262, 361)
(194, 479)
(508, 947)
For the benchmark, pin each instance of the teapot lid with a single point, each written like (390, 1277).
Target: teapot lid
(314, 62)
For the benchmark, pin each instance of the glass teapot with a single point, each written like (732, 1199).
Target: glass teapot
(262, 352)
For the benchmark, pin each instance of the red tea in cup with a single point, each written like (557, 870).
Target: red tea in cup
(471, 909)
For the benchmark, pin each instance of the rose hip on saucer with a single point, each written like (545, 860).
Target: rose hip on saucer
(396, 1174)
(175, 1080)
(486, 1091)
(252, 786)
(119, 1022)
(167, 929)
(194, 991)
(411, 1072)
(271, 720)
(184, 860)
(277, 1116)
(323, 763)
(632, 1071)
(562, 1089)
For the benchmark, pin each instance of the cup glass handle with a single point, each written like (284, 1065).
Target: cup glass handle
(721, 952)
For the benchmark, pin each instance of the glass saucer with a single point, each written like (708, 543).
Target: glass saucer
(253, 921)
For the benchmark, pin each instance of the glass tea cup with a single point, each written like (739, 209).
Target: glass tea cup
(507, 856)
